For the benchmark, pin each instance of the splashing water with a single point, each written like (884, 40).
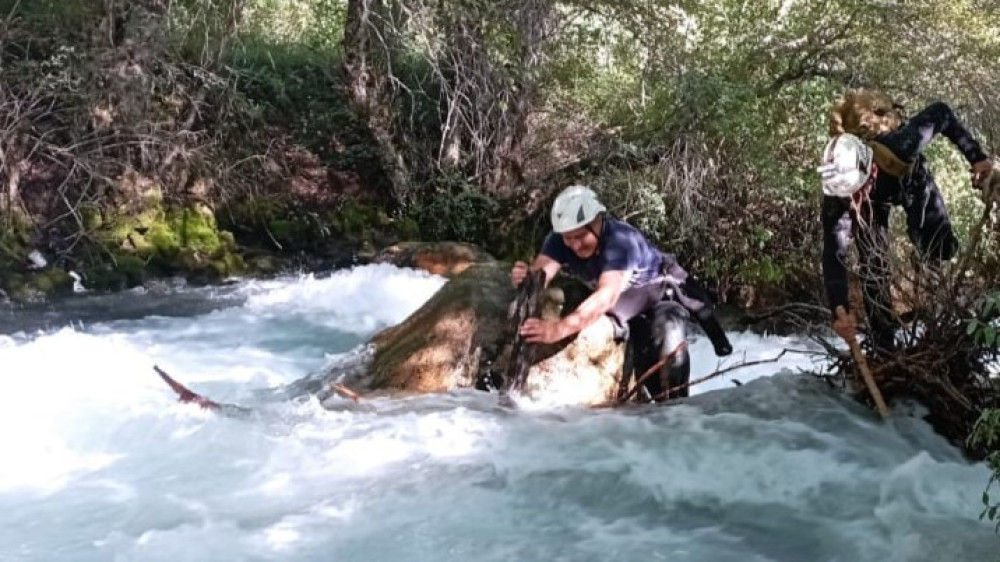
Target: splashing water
(101, 463)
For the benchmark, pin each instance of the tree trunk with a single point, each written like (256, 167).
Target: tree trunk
(11, 167)
(368, 84)
(533, 19)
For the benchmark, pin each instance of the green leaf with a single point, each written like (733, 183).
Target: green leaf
(989, 336)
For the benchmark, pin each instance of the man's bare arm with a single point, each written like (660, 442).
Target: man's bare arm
(609, 287)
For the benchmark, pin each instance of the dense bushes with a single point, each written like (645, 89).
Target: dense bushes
(701, 125)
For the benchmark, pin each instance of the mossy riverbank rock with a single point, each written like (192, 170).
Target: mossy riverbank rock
(22, 278)
(35, 286)
(124, 248)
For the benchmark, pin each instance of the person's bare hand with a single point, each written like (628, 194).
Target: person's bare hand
(989, 184)
(536, 330)
(981, 172)
(518, 273)
(844, 325)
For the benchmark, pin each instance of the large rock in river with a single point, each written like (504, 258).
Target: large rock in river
(440, 258)
(459, 337)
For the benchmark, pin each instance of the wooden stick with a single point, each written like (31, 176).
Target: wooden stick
(720, 372)
(522, 354)
(989, 184)
(705, 378)
(184, 394)
(345, 392)
(866, 373)
(973, 244)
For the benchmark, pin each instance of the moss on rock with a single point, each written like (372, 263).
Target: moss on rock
(35, 286)
(279, 222)
(16, 280)
(124, 271)
(164, 240)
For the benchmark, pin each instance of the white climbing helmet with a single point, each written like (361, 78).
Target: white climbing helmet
(847, 165)
(576, 206)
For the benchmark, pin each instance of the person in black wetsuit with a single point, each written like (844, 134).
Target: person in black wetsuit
(864, 175)
(646, 293)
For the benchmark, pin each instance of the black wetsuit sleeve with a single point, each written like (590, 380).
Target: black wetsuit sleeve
(913, 137)
(837, 224)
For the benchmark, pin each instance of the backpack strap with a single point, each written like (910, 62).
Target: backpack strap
(888, 162)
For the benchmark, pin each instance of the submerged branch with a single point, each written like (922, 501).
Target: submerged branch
(721, 372)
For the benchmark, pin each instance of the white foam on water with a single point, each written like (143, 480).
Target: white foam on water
(102, 463)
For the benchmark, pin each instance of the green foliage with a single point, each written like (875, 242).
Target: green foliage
(300, 89)
(284, 223)
(711, 113)
(317, 25)
(983, 328)
(18, 283)
(987, 435)
(273, 222)
(456, 210)
(66, 22)
(745, 88)
(356, 218)
(201, 29)
(637, 198)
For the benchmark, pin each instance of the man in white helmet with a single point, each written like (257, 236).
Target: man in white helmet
(862, 179)
(633, 282)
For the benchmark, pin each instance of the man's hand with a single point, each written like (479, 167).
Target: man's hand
(518, 273)
(989, 184)
(536, 330)
(981, 172)
(844, 325)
